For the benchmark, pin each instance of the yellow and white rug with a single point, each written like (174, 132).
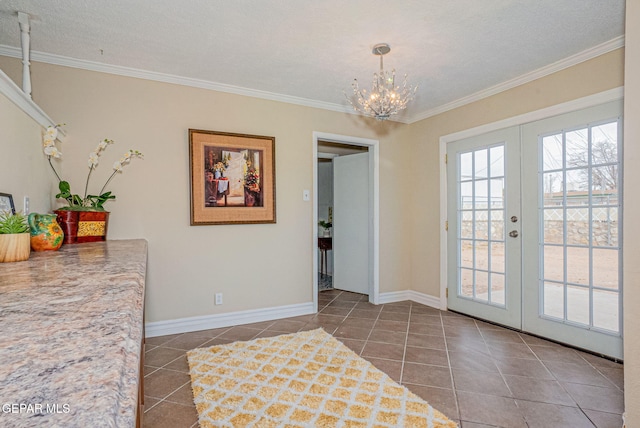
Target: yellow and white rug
(306, 379)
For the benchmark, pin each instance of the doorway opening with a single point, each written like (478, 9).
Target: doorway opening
(345, 202)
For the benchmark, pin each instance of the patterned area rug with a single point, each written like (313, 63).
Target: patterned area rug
(306, 379)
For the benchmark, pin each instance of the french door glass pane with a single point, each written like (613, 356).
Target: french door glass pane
(497, 193)
(482, 194)
(604, 184)
(579, 214)
(605, 144)
(578, 304)
(553, 296)
(497, 225)
(497, 161)
(466, 282)
(577, 269)
(604, 226)
(577, 223)
(605, 309)
(553, 220)
(497, 257)
(481, 224)
(552, 152)
(482, 285)
(480, 169)
(497, 288)
(466, 223)
(552, 186)
(577, 148)
(466, 254)
(605, 268)
(554, 263)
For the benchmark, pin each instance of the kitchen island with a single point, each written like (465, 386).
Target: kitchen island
(71, 336)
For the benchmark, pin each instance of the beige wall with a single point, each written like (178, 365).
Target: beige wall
(23, 167)
(255, 266)
(597, 75)
(631, 236)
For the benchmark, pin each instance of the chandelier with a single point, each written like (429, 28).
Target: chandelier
(385, 98)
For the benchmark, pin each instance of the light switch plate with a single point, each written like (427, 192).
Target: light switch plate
(306, 195)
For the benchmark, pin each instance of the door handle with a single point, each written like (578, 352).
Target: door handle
(513, 234)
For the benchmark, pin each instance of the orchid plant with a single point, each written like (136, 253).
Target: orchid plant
(86, 202)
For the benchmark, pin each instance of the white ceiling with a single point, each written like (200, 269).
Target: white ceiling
(308, 52)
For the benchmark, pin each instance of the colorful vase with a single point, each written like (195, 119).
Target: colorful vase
(46, 234)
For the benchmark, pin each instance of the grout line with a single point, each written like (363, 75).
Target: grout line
(164, 399)
(453, 384)
(371, 331)
(493, 359)
(406, 340)
(147, 409)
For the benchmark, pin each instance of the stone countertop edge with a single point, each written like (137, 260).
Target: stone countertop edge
(71, 325)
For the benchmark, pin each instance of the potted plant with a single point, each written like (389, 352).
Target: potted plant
(15, 239)
(84, 219)
(326, 225)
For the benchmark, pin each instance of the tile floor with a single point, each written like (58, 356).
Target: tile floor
(476, 373)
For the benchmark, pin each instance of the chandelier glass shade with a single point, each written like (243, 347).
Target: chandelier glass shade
(385, 98)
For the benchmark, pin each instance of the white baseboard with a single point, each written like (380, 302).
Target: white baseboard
(428, 300)
(185, 325)
(393, 296)
(414, 296)
(206, 322)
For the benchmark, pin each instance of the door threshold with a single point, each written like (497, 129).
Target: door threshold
(566, 345)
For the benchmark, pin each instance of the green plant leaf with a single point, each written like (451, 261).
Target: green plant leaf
(13, 223)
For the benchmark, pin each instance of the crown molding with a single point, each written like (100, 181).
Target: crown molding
(213, 86)
(10, 51)
(570, 61)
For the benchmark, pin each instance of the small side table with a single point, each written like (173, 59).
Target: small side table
(325, 244)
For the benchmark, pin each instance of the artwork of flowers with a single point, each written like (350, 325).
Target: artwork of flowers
(232, 178)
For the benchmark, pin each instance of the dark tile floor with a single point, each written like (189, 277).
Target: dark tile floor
(476, 373)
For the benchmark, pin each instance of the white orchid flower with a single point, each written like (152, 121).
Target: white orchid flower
(48, 142)
(117, 166)
(103, 145)
(93, 159)
(51, 133)
(52, 151)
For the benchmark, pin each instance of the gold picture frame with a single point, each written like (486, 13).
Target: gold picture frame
(233, 178)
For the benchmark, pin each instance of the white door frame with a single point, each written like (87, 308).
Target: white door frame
(374, 210)
(580, 103)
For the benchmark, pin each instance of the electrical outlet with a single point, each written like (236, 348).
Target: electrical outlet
(26, 206)
(218, 298)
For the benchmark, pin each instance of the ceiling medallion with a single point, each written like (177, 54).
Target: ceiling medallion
(385, 98)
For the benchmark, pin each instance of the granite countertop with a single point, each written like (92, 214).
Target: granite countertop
(71, 325)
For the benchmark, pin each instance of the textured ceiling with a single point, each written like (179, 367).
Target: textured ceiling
(310, 51)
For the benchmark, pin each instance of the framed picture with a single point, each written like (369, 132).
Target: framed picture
(233, 178)
(6, 203)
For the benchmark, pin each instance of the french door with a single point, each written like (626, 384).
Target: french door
(551, 224)
(484, 262)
